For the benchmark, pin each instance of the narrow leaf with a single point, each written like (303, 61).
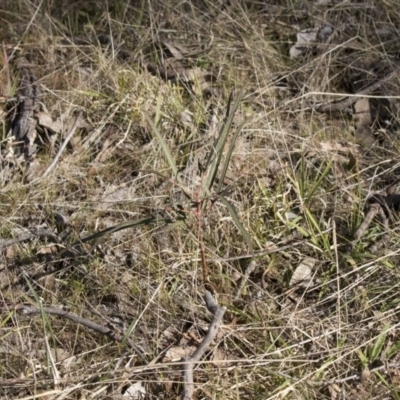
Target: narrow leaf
(100, 236)
(319, 181)
(378, 345)
(237, 222)
(228, 157)
(164, 146)
(215, 155)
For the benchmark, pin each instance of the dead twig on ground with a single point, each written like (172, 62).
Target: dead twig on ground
(218, 313)
(346, 103)
(60, 312)
(27, 236)
(381, 206)
(369, 216)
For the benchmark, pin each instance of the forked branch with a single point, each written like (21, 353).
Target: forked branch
(218, 313)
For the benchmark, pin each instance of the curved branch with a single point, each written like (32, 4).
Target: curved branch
(113, 334)
(218, 313)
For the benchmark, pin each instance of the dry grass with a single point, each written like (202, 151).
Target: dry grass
(292, 169)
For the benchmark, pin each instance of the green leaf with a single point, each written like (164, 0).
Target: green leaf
(164, 146)
(98, 237)
(237, 222)
(379, 342)
(228, 157)
(362, 357)
(90, 93)
(214, 157)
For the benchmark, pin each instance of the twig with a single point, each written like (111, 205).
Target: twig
(111, 333)
(385, 222)
(64, 145)
(372, 212)
(356, 376)
(342, 105)
(218, 313)
(26, 236)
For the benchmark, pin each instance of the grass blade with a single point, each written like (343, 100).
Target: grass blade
(215, 155)
(379, 342)
(164, 146)
(98, 237)
(228, 157)
(237, 222)
(319, 181)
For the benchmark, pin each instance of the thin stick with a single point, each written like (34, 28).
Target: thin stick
(218, 313)
(32, 310)
(26, 236)
(64, 145)
(372, 212)
(342, 105)
(385, 237)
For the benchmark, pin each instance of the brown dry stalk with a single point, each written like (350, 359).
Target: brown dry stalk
(385, 222)
(218, 313)
(375, 209)
(372, 212)
(27, 236)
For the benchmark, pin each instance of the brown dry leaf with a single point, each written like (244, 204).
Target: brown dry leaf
(235, 275)
(334, 391)
(122, 298)
(3, 115)
(219, 357)
(136, 391)
(34, 169)
(186, 118)
(309, 37)
(365, 374)
(334, 146)
(305, 39)
(350, 166)
(114, 194)
(302, 275)
(106, 151)
(175, 353)
(177, 50)
(396, 376)
(48, 249)
(46, 121)
(11, 252)
(200, 80)
(62, 124)
(5, 79)
(169, 334)
(270, 246)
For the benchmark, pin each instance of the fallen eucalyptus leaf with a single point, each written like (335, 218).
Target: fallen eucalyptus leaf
(302, 275)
